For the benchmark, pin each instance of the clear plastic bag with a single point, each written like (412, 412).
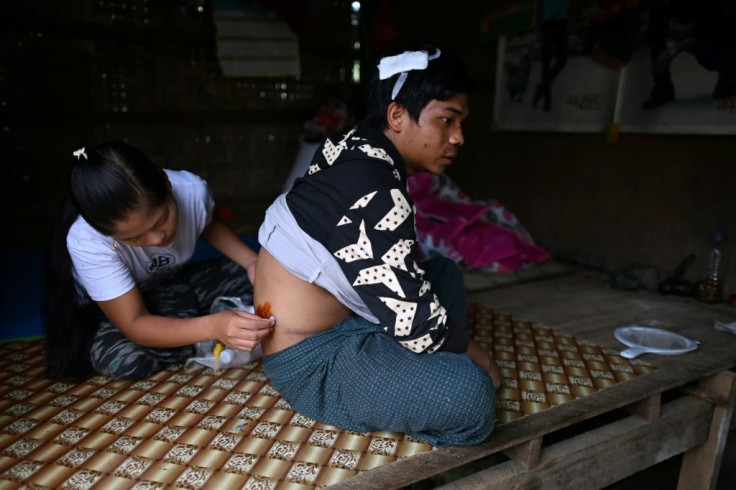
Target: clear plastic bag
(724, 327)
(228, 358)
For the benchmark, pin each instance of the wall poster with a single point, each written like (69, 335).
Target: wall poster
(660, 66)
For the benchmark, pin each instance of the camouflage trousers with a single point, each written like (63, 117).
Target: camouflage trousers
(187, 293)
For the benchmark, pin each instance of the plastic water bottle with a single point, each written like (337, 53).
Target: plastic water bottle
(710, 289)
(235, 357)
(229, 356)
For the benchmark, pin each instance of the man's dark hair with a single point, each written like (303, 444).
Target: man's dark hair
(444, 77)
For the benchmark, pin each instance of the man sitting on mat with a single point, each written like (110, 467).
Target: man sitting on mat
(366, 337)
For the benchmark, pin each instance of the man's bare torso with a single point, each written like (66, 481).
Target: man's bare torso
(301, 309)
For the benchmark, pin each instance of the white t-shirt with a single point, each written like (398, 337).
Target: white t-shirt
(106, 272)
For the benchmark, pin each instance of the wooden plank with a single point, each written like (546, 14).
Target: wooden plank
(704, 395)
(647, 409)
(608, 454)
(584, 305)
(526, 453)
(701, 465)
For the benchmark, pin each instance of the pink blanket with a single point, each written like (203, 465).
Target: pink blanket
(475, 234)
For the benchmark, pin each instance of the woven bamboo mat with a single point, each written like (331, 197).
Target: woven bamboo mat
(543, 368)
(230, 429)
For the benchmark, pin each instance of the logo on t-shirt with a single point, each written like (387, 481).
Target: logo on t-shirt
(160, 262)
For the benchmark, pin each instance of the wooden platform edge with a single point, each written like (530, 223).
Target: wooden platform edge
(604, 455)
(701, 465)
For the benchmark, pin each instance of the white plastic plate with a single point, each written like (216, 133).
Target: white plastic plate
(649, 340)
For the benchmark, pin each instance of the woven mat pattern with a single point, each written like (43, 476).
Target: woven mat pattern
(542, 368)
(230, 429)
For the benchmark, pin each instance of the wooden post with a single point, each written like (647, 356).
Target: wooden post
(647, 409)
(701, 464)
(527, 453)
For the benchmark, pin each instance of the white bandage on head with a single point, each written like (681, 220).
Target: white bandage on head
(80, 153)
(403, 63)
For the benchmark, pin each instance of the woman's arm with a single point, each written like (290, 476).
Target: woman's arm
(234, 328)
(221, 237)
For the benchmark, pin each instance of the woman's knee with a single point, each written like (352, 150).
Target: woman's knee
(125, 364)
(116, 356)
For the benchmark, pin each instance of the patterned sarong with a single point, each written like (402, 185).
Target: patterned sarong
(356, 377)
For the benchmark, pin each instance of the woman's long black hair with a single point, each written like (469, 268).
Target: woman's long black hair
(106, 183)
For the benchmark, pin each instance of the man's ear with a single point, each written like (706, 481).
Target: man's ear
(396, 115)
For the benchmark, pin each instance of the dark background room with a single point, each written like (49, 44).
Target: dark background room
(627, 201)
(83, 71)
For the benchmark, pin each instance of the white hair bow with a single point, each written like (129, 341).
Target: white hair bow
(403, 63)
(80, 153)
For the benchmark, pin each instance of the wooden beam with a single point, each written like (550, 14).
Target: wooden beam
(527, 453)
(604, 455)
(705, 395)
(647, 409)
(701, 465)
